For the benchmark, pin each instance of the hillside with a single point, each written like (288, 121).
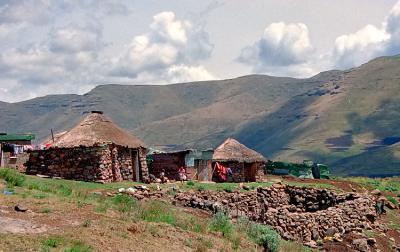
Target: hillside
(336, 117)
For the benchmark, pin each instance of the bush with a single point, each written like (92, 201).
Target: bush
(190, 183)
(221, 223)
(263, 235)
(12, 177)
(124, 203)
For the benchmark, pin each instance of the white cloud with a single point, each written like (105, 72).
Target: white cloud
(171, 48)
(74, 38)
(281, 46)
(357, 48)
(369, 42)
(285, 49)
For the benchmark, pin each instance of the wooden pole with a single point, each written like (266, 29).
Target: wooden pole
(52, 135)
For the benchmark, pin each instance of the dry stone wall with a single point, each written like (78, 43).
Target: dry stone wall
(299, 214)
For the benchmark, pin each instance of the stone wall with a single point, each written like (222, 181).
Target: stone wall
(102, 164)
(300, 214)
(16, 162)
(89, 164)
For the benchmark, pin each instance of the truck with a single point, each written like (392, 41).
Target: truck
(307, 169)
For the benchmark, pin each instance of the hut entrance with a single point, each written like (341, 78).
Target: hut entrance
(250, 171)
(135, 166)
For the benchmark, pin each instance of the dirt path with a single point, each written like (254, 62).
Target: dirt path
(17, 226)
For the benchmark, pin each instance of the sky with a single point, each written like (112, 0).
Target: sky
(70, 46)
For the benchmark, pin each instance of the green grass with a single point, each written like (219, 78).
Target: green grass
(393, 200)
(391, 185)
(12, 177)
(79, 246)
(156, 211)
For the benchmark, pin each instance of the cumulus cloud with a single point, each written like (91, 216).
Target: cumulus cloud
(369, 42)
(171, 48)
(66, 61)
(281, 45)
(71, 58)
(285, 49)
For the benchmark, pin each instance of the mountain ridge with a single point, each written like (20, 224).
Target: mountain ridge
(333, 117)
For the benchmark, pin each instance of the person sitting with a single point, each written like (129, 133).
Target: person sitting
(182, 174)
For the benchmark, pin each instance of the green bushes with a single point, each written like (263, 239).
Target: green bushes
(190, 183)
(221, 223)
(12, 177)
(263, 235)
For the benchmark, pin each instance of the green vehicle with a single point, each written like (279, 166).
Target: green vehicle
(307, 169)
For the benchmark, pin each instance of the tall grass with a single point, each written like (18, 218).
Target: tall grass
(12, 177)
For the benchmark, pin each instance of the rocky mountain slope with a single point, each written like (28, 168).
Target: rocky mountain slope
(347, 119)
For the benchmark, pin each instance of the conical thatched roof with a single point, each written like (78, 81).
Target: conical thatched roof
(232, 150)
(96, 129)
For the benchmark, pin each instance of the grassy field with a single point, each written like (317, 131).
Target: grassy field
(79, 216)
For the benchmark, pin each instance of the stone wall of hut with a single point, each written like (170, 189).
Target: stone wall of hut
(101, 163)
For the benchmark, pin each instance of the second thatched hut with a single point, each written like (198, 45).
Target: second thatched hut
(94, 150)
(234, 161)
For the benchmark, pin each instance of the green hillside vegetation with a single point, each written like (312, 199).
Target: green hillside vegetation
(341, 118)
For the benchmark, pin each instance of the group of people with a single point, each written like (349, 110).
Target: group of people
(162, 178)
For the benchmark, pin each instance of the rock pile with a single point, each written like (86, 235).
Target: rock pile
(142, 192)
(302, 214)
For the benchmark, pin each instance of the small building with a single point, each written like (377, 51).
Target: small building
(94, 150)
(168, 162)
(245, 164)
(13, 149)
(203, 165)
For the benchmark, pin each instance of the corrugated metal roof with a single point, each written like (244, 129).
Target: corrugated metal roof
(16, 137)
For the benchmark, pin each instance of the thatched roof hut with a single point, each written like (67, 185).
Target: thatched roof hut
(232, 150)
(96, 129)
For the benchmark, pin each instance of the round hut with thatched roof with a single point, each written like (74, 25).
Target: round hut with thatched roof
(244, 164)
(95, 149)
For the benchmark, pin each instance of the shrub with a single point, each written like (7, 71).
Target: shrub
(190, 183)
(124, 203)
(87, 223)
(46, 210)
(263, 235)
(12, 177)
(221, 223)
(51, 242)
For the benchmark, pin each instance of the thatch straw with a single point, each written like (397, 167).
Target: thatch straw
(232, 150)
(97, 129)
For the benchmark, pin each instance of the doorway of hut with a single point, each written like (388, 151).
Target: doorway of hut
(234, 172)
(135, 165)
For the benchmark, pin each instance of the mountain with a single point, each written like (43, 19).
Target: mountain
(346, 119)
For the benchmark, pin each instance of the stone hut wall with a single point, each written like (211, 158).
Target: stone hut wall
(88, 164)
(99, 163)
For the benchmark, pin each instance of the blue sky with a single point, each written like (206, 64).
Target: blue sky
(70, 46)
